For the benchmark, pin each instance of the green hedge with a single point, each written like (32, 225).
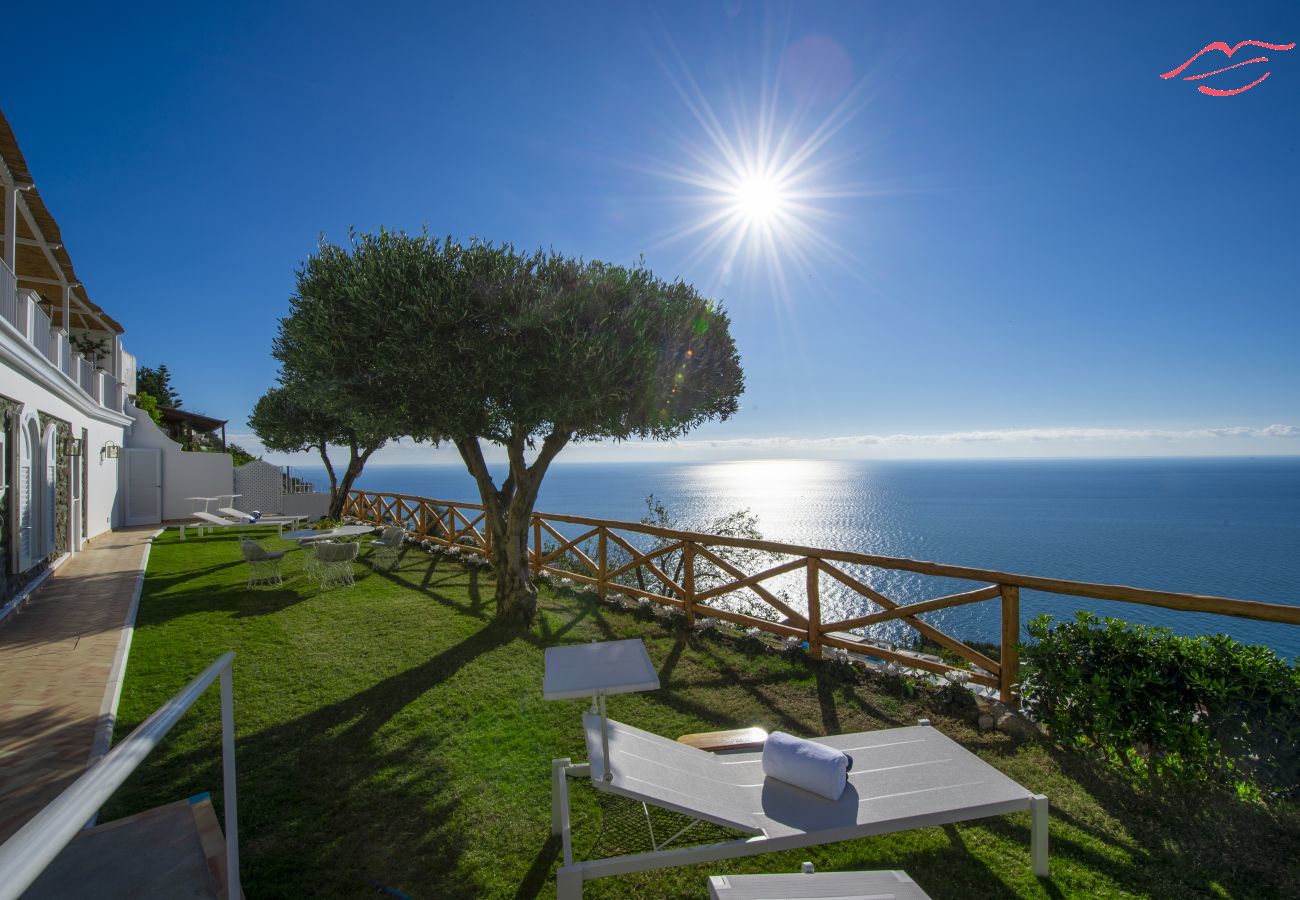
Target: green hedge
(1167, 706)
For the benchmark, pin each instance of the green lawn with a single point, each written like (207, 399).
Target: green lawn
(391, 735)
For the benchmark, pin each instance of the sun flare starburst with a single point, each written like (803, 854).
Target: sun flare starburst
(758, 194)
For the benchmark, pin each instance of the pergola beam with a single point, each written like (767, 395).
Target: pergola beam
(62, 280)
(32, 242)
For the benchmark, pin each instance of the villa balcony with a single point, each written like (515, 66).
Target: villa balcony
(24, 320)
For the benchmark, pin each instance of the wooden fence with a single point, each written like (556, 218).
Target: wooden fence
(605, 555)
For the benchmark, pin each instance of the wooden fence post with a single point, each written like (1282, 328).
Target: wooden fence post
(537, 545)
(688, 580)
(602, 561)
(1010, 663)
(814, 609)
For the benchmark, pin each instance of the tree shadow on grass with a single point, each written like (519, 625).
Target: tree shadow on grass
(240, 601)
(1187, 838)
(426, 583)
(162, 584)
(325, 806)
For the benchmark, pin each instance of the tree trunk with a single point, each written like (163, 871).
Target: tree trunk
(334, 482)
(508, 515)
(516, 595)
(339, 494)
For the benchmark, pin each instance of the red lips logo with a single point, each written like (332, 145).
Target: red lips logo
(1227, 51)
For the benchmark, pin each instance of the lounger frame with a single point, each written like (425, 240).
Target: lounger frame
(573, 874)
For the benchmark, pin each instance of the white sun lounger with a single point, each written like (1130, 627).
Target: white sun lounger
(208, 520)
(902, 778)
(279, 520)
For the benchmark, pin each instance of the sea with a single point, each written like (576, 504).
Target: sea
(1226, 526)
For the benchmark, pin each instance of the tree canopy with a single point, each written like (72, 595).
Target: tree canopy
(294, 418)
(528, 350)
(157, 382)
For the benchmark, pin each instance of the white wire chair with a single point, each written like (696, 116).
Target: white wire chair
(334, 563)
(263, 564)
(386, 551)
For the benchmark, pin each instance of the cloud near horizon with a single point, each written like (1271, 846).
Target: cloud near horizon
(1015, 435)
(1235, 439)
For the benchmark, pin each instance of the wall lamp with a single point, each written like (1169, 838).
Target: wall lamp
(109, 451)
(72, 446)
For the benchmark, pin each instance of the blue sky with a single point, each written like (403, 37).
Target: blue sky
(1029, 243)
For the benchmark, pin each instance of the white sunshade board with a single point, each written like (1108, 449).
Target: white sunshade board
(901, 778)
(610, 667)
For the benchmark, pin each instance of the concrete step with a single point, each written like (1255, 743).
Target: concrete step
(175, 852)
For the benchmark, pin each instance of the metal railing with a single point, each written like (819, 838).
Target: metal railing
(112, 393)
(86, 375)
(22, 319)
(67, 362)
(27, 854)
(9, 294)
(291, 482)
(41, 333)
(21, 310)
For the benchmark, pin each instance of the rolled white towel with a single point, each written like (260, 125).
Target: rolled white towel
(806, 764)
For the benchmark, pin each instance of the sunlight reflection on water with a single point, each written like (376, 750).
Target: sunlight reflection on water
(1224, 527)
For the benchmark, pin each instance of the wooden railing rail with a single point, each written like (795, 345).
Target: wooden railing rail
(699, 569)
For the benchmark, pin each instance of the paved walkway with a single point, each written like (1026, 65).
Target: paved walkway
(56, 659)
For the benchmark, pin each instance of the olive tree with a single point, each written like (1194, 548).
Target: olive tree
(292, 419)
(479, 344)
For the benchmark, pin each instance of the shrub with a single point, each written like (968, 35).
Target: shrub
(149, 403)
(1167, 706)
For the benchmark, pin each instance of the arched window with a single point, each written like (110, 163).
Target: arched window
(27, 479)
(49, 489)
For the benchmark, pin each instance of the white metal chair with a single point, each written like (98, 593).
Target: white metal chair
(387, 549)
(263, 564)
(334, 563)
(901, 778)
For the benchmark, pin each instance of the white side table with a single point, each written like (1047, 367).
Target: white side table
(595, 670)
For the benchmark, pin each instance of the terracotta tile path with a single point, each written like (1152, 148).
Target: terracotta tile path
(56, 659)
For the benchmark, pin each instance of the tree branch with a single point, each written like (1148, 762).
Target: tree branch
(551, 447)
(329, 467)
(472, 453)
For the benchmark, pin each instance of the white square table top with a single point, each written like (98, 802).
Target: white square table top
(308, 534)
(601, 667)
(305, 534)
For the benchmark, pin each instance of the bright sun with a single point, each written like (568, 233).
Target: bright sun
(759, 199)
(761, 190)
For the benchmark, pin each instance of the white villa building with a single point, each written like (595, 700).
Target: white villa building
(63, 420)
(77, 458)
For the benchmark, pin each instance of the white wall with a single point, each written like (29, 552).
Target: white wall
(313, 505)
(102, 427)
(185, 473)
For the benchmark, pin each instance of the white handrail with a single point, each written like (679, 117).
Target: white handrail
(25, 855)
